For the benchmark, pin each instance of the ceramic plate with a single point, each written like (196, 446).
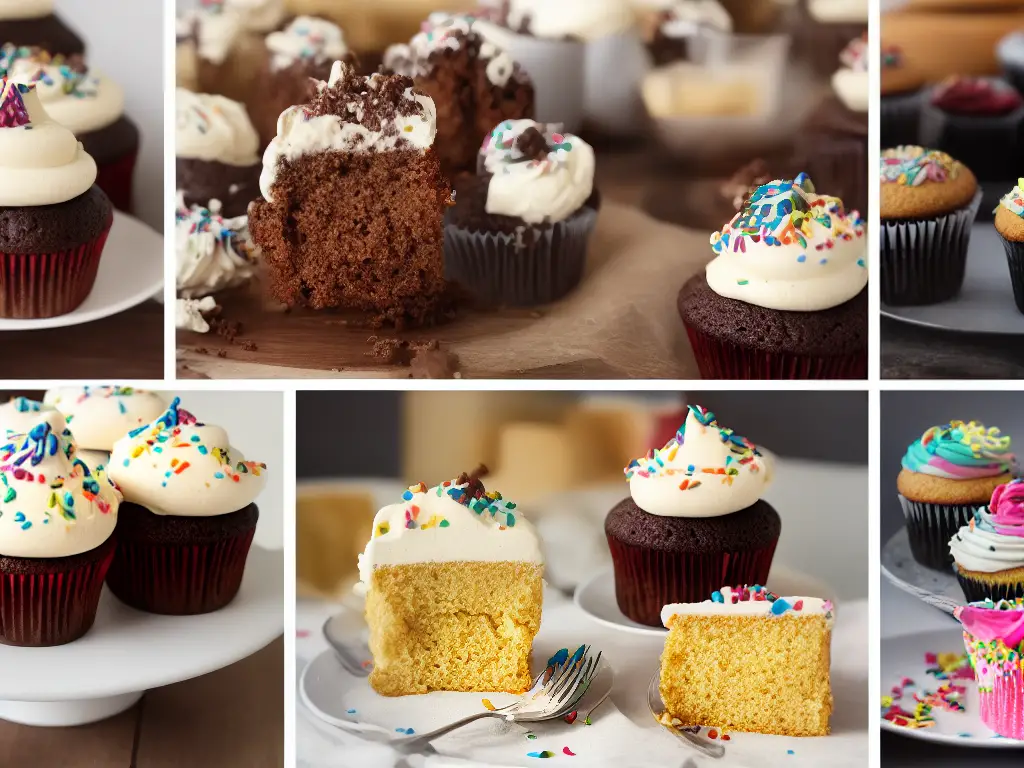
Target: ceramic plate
(131, 271)
(916, 658)
(936, 588)
(596, 597)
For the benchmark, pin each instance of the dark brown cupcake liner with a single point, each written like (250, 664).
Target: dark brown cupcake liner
(930, 528)
(648, 579)
(52, 605)
(1015, 260)
(900, 118)
(975, 590)
(719, 359)
(536, 265)
(41, 285)
(923, 262)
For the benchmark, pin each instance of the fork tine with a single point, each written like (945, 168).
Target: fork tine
(583, 685)
(558, 697)
(569, 674)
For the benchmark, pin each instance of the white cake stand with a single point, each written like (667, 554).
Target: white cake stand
(128, 651)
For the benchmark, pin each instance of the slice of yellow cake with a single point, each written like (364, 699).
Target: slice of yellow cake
(749, 660)
(452, 577)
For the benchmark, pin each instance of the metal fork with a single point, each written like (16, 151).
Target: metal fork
(657, 707)
(554, 694)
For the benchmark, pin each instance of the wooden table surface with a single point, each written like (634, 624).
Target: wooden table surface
(911, 352)
(126, 346)
(232, 717)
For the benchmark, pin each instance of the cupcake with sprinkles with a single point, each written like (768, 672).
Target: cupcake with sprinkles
(994, 639)
(213, 253)
(189, 515)
(1010, 226)
(785, 296)
(57, 519)
(19, 415)
(989, 552)
(694, 518)
(519, 230)
(947, 475)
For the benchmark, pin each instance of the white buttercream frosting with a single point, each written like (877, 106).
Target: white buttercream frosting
(214, 129)
(412, 125)
(790, 249)
(94, 460)
(259, 15)
(579, 19)
(753, 601)
(979, 547)
(25, 9)
(19, 414)
(446, 524)
(216, 30)
(213, 253)
(100, 416)
(51, 503)
(704, 471)
(178, 466)
(306, 39)
(544, 188)
(839, 11)
(851, 82)
(188, 314)
(686, 18)
(41, 161)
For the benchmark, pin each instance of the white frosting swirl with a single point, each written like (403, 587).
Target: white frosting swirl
(704, 471)
(979, 547)
(580, 19)
(214, 129)
(839, 11)
(177, 466)
(431, 526)
(546, 189)
(259, 15)
(51, 503)
(19, 415)
(213, 253)
(851, 82)
(41, 161)
(100, 416)
(25, 9)
(306, 39)
(298, 134)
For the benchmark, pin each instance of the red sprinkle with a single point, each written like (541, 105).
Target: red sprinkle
(571, 717)
(568, 752)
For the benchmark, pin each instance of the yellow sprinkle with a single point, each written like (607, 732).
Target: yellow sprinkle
(137, 452)
(487, 704)
(408, 129)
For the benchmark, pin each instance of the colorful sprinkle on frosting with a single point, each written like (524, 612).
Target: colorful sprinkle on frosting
(913, 166)
(1013, 201)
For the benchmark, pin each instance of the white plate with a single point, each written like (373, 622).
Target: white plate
(131, 271)
(904, 656)
(939, 589)
(984, 305)
(596, 597)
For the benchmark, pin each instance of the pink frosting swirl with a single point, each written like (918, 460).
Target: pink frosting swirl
(1007, 508)
(990, 622)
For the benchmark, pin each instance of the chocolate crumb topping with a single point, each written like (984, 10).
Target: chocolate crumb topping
(532, 144)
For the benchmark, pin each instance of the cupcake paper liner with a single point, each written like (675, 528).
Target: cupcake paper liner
(1015, 260)
(116, 180)
(975, 589)
(923, 262)
(931, 526)
(986, 145)
(49, 284)
(53, 608)
(901, 118)
(533, 266)
(1002, 708)
(718, 359)
(647, 579)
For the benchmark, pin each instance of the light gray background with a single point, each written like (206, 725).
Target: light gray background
(124, 39)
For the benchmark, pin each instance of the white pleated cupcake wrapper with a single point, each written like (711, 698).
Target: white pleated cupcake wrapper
(923, 262)
(900, 116)
(930, 528)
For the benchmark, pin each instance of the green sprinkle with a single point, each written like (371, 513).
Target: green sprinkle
(443, 524)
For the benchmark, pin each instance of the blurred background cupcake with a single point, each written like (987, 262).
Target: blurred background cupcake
(1010, 226)
(33, 23)
(835, 23)
(902, 97)
(1011, 57)
(989, 551)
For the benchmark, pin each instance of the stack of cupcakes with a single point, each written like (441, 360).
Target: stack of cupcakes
(989, 552)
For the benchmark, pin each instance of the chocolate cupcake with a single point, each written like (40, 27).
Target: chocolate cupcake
(518, 233)
(57, 518)
(54, 220)
(694, 518)
(33, 23)
(786, 296)
(216, 146)
(1010, 226)
(189, 517)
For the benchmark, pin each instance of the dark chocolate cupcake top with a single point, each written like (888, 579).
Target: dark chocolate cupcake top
(704, 471)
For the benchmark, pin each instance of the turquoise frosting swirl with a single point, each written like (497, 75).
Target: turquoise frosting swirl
(960, 451)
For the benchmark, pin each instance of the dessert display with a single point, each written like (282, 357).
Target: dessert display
(947, 475)
(723, 655)
(518, 233)
(18, 415)
(1010, 226)
(989, 551)
(785, 296)
(325, 240)
(452, 577)
(473, 83)
(213, 253)
(928, 204)
(54, 220)
(694, 518)
(33, 23)
(188, 516)
(57, 519)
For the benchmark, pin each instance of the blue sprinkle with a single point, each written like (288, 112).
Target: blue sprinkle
(790, 752)
(823, 261)
(406, 731)
(717, 597)
(860, 262)
(202, 450)
(126, 462)
(802, 258)
(195, 438)
(780, 606)
(219, 475)
(407, 496)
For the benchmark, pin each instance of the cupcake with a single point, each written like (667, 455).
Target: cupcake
(1010, 52)
(216, 146)
(994, 639)
(213, 253)
(54, 220)
(693, 521)
(100, 416)
(1010, 226)
(518, 233)
(978, 121)
(88, 103)
(188, 519)
(946, 476)
(928, 205)
(57, 518)
(19, 415)
(902, 98)
(989, 552)
(785, 296)
(833, 24)
(33, 23)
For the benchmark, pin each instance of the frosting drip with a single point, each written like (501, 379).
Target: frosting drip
(960, 451)
(913, 166)
(100, 416)
(704, 471)
(752, 601)
(306, 39)
(213, 253)
(214, 129)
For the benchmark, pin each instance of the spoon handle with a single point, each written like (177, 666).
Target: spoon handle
(416, 742)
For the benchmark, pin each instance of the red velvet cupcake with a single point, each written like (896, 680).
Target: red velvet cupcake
(56, 524)
(694, 519)
(189, 517)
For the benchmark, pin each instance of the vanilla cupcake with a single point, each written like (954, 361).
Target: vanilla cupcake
(57, 518)
(189, 515)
